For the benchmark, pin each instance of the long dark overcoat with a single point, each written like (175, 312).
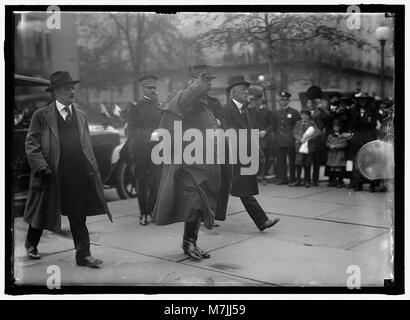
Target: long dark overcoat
(364, 129)
(242, 185)
(188, 192)
(43, 209)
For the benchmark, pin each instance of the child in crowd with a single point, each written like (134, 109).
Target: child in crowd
(336, 156)
(304, 132)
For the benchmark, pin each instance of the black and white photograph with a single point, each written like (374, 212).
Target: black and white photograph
(240, 147)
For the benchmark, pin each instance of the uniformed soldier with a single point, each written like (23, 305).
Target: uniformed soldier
(284, 122)
(142, 119)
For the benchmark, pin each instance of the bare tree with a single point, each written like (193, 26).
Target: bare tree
(280, 37)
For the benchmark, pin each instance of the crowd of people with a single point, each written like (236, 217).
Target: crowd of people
(327, 132)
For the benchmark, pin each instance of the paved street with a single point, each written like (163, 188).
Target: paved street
(322, 232)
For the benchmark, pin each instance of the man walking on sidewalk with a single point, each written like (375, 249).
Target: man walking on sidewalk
(142, 119)
(192, 192)
(65, 178)
(244, 186)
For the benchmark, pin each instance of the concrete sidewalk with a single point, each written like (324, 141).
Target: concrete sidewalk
(322, 232)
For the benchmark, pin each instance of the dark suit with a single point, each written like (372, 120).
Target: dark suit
(143, 118)
(243, 186)
(284, 124)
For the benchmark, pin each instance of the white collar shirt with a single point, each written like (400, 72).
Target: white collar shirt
(61, 109)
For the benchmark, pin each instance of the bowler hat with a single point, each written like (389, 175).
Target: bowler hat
(237, 80)
(196, 70)
(314, 92)
(60, 78)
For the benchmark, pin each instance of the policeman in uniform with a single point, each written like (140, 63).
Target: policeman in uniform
(142, 119)
(284, 122)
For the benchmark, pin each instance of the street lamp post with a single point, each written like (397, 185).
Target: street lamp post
(269, 86)
(382, 34)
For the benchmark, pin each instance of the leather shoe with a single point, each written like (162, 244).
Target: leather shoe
(191, 250)
(281, 182)
(144, 220)
(269, 223)
(89, 262)
(33, 254)
(203, 254)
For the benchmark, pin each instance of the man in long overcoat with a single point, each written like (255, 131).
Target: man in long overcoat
(65, 178)
(244, 186)
(195, 192)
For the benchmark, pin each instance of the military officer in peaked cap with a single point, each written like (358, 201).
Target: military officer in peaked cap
(284, 122)
(142, 119)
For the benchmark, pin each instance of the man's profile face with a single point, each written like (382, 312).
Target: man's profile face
(240, 93)
(150, 92)
(65, 94)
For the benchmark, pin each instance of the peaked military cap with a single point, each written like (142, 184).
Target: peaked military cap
(149, 80)
(284, 94)
(196, 70)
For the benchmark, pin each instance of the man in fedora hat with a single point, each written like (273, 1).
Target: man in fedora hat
(65, 179)
(142, 119)
(192, 192)
(285, 119)
(236, 116)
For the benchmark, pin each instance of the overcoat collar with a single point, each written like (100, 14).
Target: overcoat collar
(51, 117)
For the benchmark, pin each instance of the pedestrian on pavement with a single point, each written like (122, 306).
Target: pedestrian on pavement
(320, 114)
(237, 117)
(142, 119)
(192, 193)
(65, 179)
(262, 118)
(336, 155)
(305, 132)
(284, 123)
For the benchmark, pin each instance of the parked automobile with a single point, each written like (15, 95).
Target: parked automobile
(29, 96)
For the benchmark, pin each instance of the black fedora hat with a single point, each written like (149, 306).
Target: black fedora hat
(237, 80)
(60, 78)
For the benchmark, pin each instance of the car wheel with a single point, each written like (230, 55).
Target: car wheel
(123, 183)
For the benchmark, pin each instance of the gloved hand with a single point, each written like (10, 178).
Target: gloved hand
(44, 172)
(201, 85)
